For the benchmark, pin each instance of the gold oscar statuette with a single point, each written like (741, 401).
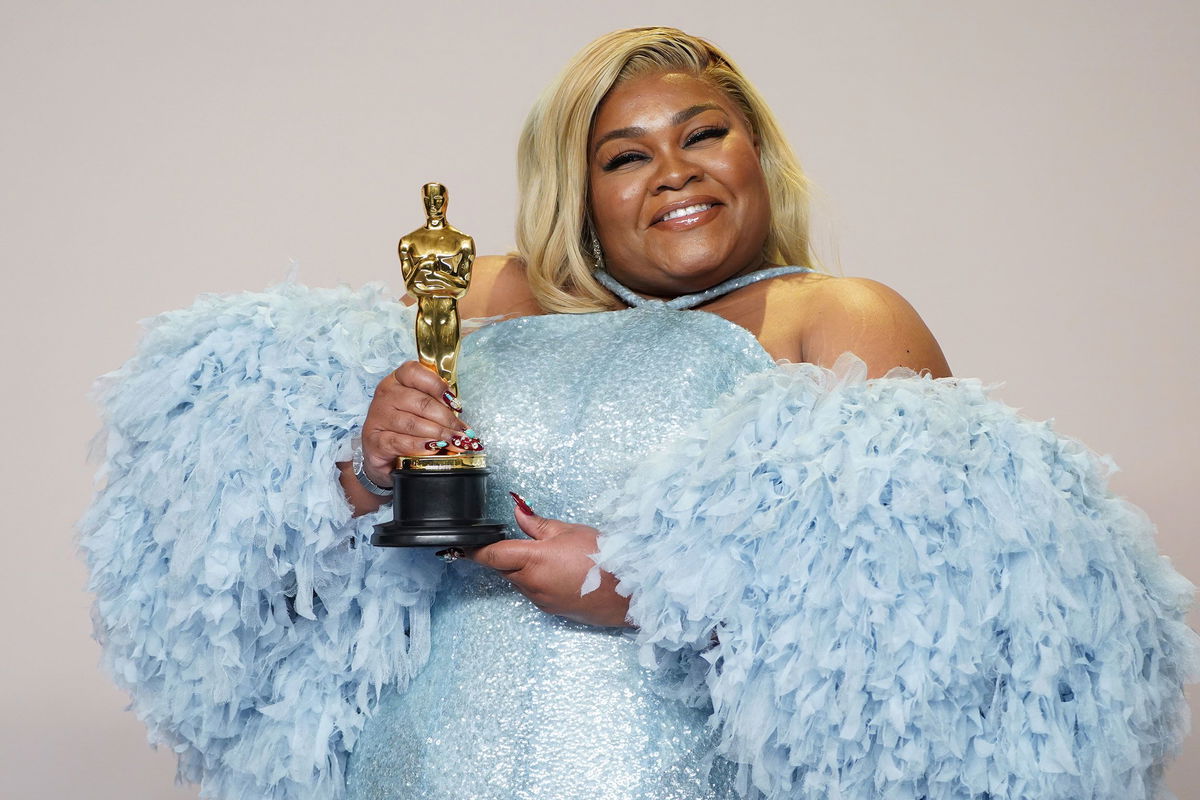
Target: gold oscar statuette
(437, 499)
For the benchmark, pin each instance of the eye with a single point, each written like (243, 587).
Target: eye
(712, 132)
(621, 159)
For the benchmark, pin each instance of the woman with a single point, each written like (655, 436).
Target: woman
(842, 587)
(668, 136)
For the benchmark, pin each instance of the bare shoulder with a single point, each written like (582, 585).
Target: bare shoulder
(873, 321)
(498, 287)
(849, 295)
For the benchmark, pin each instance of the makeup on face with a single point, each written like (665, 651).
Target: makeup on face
(678, 195)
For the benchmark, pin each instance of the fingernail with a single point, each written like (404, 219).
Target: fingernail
(438, 445)
(452, 401)
(521, 504)
(466, 443)
(470, 433)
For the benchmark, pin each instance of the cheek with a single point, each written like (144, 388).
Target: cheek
(745, 170)
(745, 177)
(752, 185)
(615, 204)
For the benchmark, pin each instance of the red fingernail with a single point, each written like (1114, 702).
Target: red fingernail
(521, 504)
(435, 445)
(466, 443)
(449, 399)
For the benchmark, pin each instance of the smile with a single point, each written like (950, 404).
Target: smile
(684, 216)
(683, 212)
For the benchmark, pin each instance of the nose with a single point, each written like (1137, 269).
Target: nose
(675, 171)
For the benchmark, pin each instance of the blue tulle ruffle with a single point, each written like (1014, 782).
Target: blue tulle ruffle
(915, 593)
(236, 599)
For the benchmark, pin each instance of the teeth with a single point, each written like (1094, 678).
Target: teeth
(683, 212)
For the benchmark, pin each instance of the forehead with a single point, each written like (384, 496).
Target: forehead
(650, 100)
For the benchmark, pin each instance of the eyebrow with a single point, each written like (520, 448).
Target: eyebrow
(678, 118)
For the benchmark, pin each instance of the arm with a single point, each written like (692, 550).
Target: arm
(362, 501)
(885, 560)
(407, 266)
(872, 321)
(466, 257)
(234, 598)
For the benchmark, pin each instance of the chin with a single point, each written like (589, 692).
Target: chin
(684, 270)
(692, 275)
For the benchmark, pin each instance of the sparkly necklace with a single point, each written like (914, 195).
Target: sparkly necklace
(692, 300)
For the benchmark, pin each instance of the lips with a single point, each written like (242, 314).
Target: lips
(689, 209)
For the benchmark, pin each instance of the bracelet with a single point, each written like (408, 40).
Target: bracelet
(360, 472)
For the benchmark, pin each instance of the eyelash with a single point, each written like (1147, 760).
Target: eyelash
(620, 160)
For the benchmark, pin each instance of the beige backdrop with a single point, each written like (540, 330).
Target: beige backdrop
(1024, 172)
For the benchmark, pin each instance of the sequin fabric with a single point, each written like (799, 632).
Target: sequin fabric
(516, 704)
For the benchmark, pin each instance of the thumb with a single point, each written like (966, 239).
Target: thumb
(506, 555)
(534, 526)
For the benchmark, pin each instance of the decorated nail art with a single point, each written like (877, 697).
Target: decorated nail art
(470, 433)
(452, 401)
(466, 443)
(521, 504)
(435, 445)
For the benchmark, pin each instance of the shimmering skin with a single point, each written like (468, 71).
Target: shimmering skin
(516, 704)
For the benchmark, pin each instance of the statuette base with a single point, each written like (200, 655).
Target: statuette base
(437, 501)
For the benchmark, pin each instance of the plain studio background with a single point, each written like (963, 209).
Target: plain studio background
(1023, 172)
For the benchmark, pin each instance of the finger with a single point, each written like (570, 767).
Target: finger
(510, 555)
(408, 424)
(427, 437)
(466, 443)
(522, 505)
(408, 401)
(536, 527)
(415, 375)
(392, 445)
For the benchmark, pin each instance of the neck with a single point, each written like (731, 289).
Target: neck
(747, 270)
(435, 222)
(632, 299)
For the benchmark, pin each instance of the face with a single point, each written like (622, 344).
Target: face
(678, 195)
(435, 201)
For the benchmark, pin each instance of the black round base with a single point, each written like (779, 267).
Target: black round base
(438, 509)
(394, 534)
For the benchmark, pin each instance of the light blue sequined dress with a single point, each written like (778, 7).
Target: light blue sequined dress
(515, 703)
(916, 592)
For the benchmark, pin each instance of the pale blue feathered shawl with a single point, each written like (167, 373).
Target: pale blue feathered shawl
(914, 592)
(236, 599)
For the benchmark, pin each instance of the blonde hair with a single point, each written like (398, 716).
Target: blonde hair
(552, 170)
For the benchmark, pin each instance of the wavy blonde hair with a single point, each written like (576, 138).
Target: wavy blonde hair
(553, 234)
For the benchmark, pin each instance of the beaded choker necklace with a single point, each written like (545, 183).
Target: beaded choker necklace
(699, 298)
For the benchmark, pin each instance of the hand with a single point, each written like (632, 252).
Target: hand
(550, 569)
(411, 413)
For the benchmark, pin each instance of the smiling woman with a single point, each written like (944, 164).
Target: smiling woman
(678, 198)
(845, 576)
(594, 106)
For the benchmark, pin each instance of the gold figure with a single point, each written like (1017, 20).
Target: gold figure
(438, 498)
(436, 262)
